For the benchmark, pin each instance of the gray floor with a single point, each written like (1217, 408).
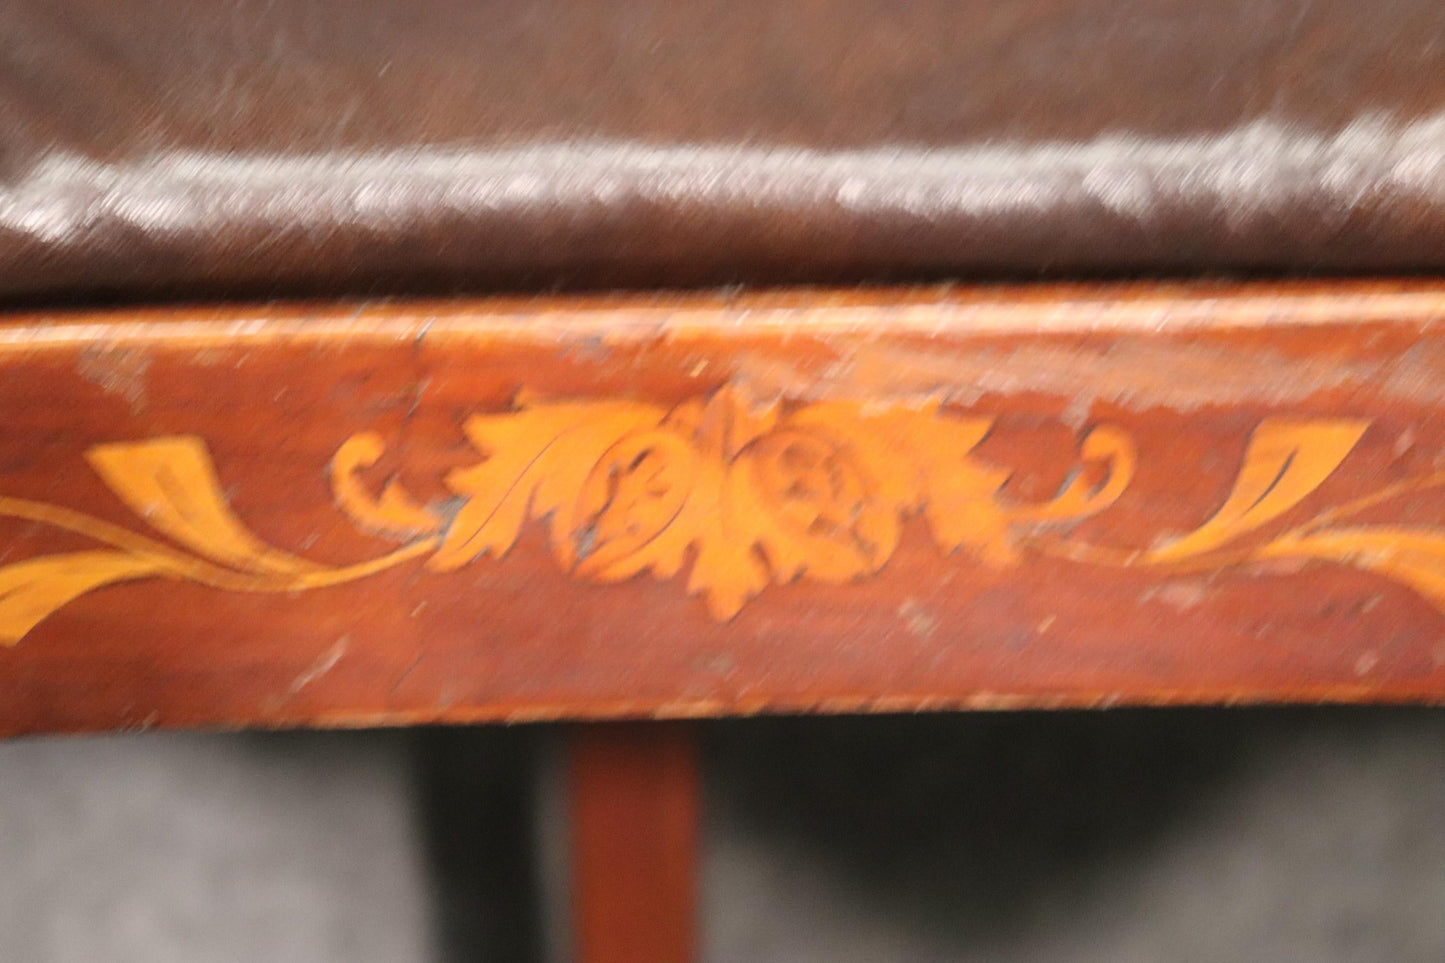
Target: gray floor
(1306, 835)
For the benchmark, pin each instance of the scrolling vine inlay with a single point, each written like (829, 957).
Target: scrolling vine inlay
(751, 494)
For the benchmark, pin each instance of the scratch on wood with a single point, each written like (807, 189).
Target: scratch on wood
(322, 665)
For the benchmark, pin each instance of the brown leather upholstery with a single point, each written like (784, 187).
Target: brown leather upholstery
(223, 147)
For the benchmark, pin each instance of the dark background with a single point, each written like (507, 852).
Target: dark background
(1315, 835)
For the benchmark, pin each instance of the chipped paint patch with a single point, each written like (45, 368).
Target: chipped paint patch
(1130, 372)
(1180, 594)
(120, 372)
(920, 621)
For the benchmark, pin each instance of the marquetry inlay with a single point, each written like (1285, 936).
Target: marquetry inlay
(741, 494)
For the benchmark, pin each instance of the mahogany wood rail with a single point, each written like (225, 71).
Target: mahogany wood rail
(708, 505)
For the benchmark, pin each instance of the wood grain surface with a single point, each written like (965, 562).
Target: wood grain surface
(635, 794)
(356, 514)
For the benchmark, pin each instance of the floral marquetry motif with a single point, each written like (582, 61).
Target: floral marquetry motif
(751, 493)
(739, 494)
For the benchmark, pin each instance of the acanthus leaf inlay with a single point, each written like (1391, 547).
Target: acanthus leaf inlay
(741, 494)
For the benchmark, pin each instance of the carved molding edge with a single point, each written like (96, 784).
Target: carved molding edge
(752, 494)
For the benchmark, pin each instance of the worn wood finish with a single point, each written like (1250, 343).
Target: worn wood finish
(635, 803)
(813, 501)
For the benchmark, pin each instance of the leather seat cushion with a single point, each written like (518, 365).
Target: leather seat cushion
(238, 147)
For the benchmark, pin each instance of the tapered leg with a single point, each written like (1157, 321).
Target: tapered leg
(635, 810)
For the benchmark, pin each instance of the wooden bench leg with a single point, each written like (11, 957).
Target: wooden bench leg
(635, 806)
